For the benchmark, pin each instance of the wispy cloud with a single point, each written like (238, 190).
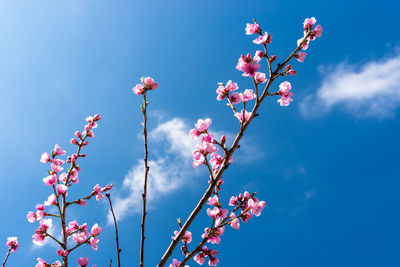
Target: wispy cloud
(170, 168)
(170, 165)
(370, 90)
(304, 200)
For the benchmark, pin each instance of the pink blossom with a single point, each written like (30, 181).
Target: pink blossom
(73, 141)
(258, 56)
(149, 83)
(235, 98)
(213, 201)
(50, 180)
(200, 258)
(46, 223)
(83, 261)
(239, 115)
(61, 252)
(263, 39)
(40, 214)
(260, 77)
(233, 201)
(12, 242)
(309, 23)
(194, 134)
(74, 177)
(108, 187)
(252, 28)
(318, 31)
(56, 168)
(198, 159)
(289, 71)
(216, 160)
(38, 239)
(187, 236)
(247, 65)
(79, 237)
(96, 117)
(213, 261)
(58, 150)
(245, 217)
(300, 56)
(96, 229)
(303, 46)
(247, 95)
(208, 138)
(285, 94)
(39, 207)
(41, 263)
(235, 223)
(256, 206)
(272, 58)
(97, 189)
(45, 158)
(223, 91)
(175, 263)
(214, 238)
(206, 147)
(202, 125)
(31, 216)
(81, 202)
(138, 89)
(217, 213)
(78, 134)
(51, 200)
(93, 242)
(62, 189)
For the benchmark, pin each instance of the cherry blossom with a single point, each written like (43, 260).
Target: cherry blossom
(12, 242)
(252, 28)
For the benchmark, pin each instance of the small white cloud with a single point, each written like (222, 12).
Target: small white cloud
(372, 90)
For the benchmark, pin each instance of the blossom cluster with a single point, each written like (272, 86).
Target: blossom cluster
(246, 204)
(207, 147)
(12, 243)
(148, 83)
(60, 180)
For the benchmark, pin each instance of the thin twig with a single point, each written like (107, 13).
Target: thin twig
(146, 173)
(116, 230)
(5, 259)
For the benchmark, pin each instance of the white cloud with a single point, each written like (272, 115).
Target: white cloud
(372, 90)
(170, 167)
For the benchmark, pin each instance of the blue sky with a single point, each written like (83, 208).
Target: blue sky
(327, 165)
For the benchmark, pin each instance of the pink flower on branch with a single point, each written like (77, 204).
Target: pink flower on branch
(263, 39)
(252, 28)
(260, 77)
(247, 95)
(12, 242)
(284, 92)
(300, 56)
(247, 65)
(83, 261)
(239, 115)
(148, 83)
(223, 91)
